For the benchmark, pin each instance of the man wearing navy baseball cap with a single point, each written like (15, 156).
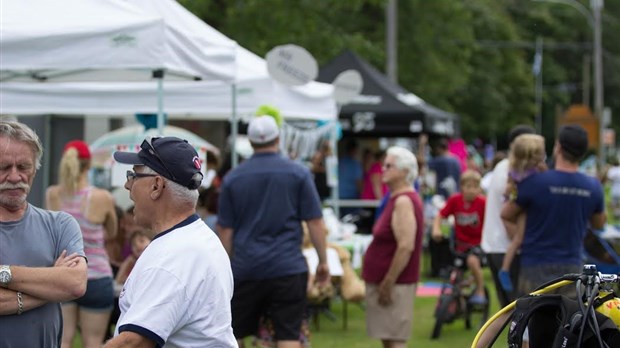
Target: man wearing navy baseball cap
(178, 293)
(171, 157)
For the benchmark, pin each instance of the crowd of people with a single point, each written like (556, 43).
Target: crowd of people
(188, 266)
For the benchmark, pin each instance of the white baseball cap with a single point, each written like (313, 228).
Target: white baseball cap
(262, 129)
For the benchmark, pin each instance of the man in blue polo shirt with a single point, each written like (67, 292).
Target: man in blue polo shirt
(260, 210)
(560, 204)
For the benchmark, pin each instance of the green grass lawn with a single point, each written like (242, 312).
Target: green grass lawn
(453, 335)
(331, 334)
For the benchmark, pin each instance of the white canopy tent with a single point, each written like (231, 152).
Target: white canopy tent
(43, 42)
(243, 81)
(211, 100)
(195, 100)
(102, 40)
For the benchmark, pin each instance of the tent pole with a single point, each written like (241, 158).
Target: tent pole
(47, 146)
(335, 190)
(159, 75)
(234, 127)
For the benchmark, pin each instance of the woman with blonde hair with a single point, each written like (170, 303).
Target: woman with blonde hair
(527, 157)
(95, 212)
(392, 262)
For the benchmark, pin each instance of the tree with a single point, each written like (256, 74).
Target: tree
(470, 57)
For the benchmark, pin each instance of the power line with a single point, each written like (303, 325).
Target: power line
(548, 45)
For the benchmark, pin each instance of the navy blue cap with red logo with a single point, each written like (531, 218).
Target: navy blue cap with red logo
(171, 157)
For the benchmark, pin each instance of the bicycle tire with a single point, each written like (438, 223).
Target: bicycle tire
(482, 309)
(443, 313)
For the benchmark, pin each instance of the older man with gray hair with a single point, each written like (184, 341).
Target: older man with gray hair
(41, 252)
(178, 293)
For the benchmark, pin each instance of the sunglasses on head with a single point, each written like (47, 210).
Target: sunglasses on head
(147, 145)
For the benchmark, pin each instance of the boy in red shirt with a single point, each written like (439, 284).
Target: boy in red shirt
(467, 207)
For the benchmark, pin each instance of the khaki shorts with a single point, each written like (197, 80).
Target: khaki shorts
(393, 322)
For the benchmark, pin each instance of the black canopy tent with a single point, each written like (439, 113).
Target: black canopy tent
(385, 109)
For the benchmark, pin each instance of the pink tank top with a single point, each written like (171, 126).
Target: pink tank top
(93, 234)
(367, 191)
(381, 250)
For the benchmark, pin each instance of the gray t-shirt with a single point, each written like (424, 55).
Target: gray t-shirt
(36, 241)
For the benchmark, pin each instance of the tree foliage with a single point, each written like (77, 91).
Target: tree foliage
(471, 57)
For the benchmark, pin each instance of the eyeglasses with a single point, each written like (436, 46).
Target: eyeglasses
(147, 145)
(131, 175)
(387, 166)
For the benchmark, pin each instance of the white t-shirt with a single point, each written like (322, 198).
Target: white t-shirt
(494, 236)
(486, 181)
(178, 294)
(613, 174)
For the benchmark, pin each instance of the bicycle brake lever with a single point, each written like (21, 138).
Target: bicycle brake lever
(608, 278)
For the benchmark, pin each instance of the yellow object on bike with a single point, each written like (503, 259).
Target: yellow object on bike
(611, 309)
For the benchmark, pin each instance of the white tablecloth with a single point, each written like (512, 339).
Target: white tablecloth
(357, 243)
(333, 261)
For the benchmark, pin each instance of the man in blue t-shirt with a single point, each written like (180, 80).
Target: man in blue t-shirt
(561, 204)
(447, 169)
(261, 207)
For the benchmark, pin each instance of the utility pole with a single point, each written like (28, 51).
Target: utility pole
(391, 40)
(537, 70)
(597, 6)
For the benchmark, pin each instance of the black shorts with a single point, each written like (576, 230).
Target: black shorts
(477, 251)
(282, 299)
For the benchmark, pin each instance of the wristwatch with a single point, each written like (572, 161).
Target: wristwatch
(5, 275)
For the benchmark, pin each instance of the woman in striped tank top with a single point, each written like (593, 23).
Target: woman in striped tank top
(94, 210)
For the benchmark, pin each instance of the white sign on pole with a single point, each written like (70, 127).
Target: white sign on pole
(347, 85)
(291, 65)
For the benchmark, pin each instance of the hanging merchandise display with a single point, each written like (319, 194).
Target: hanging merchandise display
(301, 143)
